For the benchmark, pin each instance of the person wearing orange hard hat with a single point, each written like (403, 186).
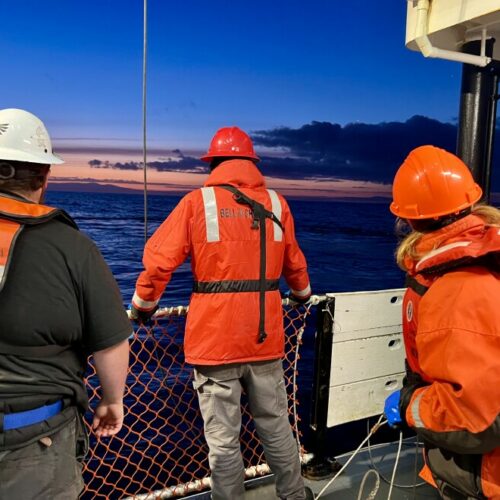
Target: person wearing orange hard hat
(241, 239)
(451, 323)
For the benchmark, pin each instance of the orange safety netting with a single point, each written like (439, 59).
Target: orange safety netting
(161, 445)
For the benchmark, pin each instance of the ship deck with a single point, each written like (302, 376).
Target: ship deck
(347, 485)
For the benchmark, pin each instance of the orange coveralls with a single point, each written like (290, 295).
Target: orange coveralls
(452, 340)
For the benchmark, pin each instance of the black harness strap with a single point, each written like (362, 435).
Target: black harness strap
(233, 286)
(260, 214)
(257, 208)
(412, 283)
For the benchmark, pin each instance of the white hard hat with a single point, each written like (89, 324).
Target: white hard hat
(23, 137)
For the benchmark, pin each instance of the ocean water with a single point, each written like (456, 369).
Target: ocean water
(348, 246)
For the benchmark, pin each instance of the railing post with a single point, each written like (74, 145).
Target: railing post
(321, 464)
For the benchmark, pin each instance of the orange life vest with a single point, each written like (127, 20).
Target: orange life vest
(15, 214)
(237, 259)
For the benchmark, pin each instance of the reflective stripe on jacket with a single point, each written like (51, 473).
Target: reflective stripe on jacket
(455, 329)
(216, 231)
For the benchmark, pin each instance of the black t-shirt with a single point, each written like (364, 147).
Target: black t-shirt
(59, 291)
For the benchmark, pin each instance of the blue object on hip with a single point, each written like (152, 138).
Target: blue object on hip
(30, 417)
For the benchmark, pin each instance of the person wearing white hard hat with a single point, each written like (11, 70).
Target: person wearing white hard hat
(58, 303)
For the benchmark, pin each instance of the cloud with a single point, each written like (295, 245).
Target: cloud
(358, 151)
(177, 163)
(129, 165)
(329, 151)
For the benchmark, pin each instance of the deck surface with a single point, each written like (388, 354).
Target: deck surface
(347, 485)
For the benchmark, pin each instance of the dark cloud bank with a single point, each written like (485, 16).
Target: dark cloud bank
(324, 150)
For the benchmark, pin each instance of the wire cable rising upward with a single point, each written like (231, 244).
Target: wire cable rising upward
(144, 129)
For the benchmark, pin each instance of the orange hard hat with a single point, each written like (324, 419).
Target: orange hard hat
(230, 141)
(431, 183)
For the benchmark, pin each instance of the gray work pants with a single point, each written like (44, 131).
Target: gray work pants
(49, 469)
(219, 393)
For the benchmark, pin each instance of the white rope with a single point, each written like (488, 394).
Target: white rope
(373, 430)
(393, 477)
(181, 490)
(374, 490)
(294, 385)
(413, 485)
(144, 129)
(415, 469)
(171, 311)
(314, 300)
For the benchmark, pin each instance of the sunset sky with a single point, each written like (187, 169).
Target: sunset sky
(327, 89)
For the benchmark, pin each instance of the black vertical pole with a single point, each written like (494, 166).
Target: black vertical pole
(492, 127)
(321, 465)
(477, 118)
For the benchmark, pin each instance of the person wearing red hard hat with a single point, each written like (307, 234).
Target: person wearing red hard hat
(241, 239)
(451, 323)
(230, 142)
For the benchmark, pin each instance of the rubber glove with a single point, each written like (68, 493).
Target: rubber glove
(298, 300)
(391, 410)
(141, 317)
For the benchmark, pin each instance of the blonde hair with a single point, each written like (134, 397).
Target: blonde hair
(408, 247)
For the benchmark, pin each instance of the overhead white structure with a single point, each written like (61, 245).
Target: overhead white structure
(439, 28)
(368, 354)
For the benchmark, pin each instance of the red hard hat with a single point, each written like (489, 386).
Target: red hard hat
(230, 141)
(431, 183)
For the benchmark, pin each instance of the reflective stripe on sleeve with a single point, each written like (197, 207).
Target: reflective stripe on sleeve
(211, 220)
(2, 270)
(302, 293)
(415, 411)
(143, 304)
(276, 208)
(440, 250)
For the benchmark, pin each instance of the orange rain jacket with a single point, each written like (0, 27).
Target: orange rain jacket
(452, 339)
(216, 231)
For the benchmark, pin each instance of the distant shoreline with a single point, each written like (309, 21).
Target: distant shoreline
(98, 188)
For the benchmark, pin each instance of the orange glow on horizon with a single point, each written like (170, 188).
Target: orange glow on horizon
(77, 170)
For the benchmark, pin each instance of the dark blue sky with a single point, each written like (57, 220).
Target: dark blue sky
(259, 64)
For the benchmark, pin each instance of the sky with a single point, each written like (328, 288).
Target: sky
(327, 89)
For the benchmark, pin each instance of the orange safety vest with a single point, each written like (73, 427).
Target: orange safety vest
(15, 214)
(451, 328)
(235, 312)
